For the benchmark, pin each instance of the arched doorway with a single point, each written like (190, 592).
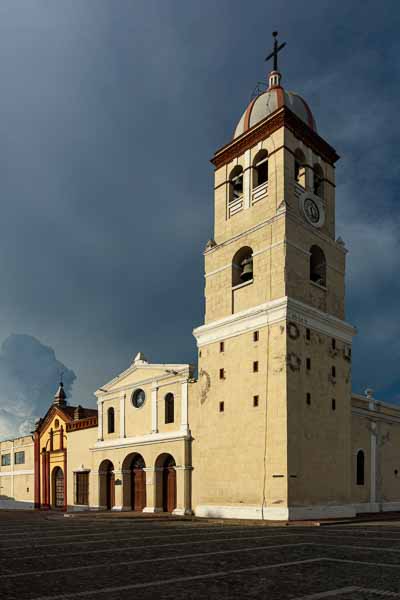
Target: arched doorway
(58, 488)
(107, 484)
(138, 483)
(168, 483)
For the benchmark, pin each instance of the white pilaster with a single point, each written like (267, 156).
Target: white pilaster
(100, 420)
(154, 408)
(122, 427)
(184, 406)
(12, 469)
(372, 497)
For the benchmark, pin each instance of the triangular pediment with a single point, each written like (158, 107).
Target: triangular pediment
(52, 413)
(141, 371)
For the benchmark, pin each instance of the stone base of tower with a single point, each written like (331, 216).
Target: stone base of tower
(270, 513)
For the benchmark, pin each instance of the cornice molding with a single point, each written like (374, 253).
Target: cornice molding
(151, 438)
(282, 117)
(283, 309)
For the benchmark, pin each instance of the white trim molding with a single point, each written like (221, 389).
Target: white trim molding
(323, 511)
(17, 472)
(283, 309)
(151, 438)
(269, 513)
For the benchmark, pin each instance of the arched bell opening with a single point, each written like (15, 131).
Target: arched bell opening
(134, 482)
(317, 266)
(242, 266)
(260, 168)
(106, 484)
(318, 181)
(300, 168)
(236, 183)
(167, 464)
(58, 488)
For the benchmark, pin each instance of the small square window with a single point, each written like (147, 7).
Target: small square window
(6, 460)
(333, 344)
(256, 336)
(308, 363)
(19, 458)
(308, 334)
(333, 404)
(308, 398)
(333, 372)
(221, 346)
(255, 366)
(221, 407)
(222, 373)
(255, 400)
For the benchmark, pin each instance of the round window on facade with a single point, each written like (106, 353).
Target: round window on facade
(138, 398)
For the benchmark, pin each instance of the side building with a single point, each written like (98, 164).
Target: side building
(17, 473)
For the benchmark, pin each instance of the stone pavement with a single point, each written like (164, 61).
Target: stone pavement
(44, 556)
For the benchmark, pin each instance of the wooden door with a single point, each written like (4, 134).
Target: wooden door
(110, 489)
(138, 489)
(169, 489)
(59, 488)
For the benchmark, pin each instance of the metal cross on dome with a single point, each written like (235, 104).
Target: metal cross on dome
(277, 48)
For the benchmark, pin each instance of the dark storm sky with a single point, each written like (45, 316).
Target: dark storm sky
(109, 113)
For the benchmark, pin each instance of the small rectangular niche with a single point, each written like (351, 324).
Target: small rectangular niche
(333, 404)
(308, 334)
(222, 346)
(308, 364)
(222, 373)
(308, 398)
(256, 336)
(255, 366)
(221, 406)
(255, 401)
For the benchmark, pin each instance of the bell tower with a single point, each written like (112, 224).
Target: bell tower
(275, 350)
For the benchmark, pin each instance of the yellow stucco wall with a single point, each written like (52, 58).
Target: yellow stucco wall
(17, 480)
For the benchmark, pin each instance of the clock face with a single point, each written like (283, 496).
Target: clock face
(311, 210)
(138, 398)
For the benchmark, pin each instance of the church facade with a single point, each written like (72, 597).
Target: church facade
(270, 428)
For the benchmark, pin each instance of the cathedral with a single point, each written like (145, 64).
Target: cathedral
(269, 427)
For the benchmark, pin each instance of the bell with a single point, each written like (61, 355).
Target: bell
(247, 269)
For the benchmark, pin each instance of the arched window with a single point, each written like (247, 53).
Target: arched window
(169, 408)
(260, 168)
(318, 181)
(360, 467)
(236, 183)
(317, 266)
(300, 168)
(242, 266)
(110, 420)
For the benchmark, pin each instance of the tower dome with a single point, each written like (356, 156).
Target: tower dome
(268, 102)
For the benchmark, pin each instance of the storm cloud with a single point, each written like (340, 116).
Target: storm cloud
(29, 376)
(109, 112)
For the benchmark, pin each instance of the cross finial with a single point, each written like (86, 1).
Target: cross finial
(274, 53)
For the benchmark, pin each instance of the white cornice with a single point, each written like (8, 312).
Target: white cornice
(151, 438)
(272, 312)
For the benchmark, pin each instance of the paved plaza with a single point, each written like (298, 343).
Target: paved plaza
(49, 557)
